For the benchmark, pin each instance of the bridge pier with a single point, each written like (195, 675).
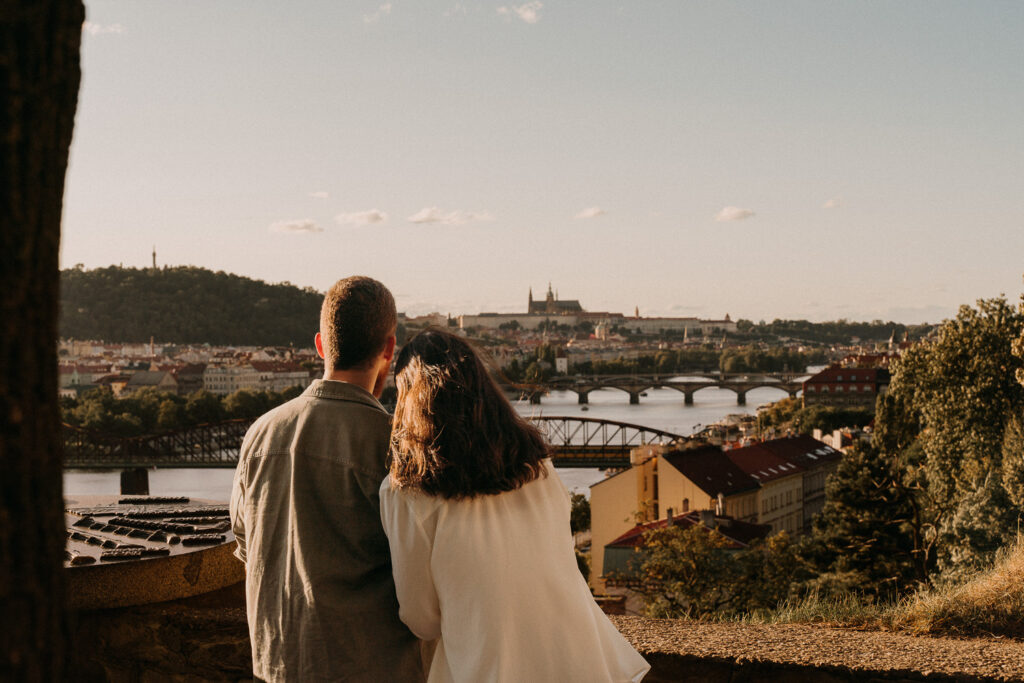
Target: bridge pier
(583, 398)
(535, 398)
(135, 482)
(792, 394)
(688, 398)
(634, 398)
(741, 398)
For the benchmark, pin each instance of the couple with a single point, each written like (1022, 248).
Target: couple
(436, 547)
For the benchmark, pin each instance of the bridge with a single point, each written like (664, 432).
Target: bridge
(575, 442)
(686, 384)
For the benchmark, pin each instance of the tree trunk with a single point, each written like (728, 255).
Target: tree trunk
(39, 76)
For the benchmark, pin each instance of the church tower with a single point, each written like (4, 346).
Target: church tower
(154, 257)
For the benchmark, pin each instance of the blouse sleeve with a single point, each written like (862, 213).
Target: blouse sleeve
(410, 563)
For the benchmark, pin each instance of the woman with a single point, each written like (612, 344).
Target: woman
(478, 524)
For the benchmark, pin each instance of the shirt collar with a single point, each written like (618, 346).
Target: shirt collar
(341, 391)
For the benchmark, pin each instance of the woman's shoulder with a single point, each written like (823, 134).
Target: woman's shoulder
(405, 495)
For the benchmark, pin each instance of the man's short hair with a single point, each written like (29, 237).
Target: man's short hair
(356, 319)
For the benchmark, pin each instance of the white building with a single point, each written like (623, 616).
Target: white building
(227, 379)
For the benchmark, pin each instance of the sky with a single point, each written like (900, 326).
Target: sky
(820, 160)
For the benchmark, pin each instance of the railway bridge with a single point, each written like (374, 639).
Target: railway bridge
(575, 442)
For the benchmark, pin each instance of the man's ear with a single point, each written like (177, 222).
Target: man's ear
(319, 343)
(389, 348)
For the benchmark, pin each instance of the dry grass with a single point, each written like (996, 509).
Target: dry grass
(992, 603)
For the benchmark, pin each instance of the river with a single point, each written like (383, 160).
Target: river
(660, 408)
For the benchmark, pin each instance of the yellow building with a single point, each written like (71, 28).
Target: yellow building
(780, 497)
(664, 478)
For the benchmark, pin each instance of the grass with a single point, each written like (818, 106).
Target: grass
(989, 604)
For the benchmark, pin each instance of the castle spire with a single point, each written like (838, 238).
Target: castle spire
(154, 257)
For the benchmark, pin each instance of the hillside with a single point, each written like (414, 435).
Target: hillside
(184, 304)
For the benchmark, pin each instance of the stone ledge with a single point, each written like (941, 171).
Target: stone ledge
(206, 639)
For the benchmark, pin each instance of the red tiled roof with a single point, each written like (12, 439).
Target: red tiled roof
(802, 451)
(275, 366)
(739, 534)
(862, 375)
(761, 463)
(711, 470)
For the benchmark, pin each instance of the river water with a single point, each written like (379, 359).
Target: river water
(660, 408)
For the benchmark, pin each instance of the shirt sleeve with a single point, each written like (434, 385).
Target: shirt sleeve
(237, 507)
(411, 548)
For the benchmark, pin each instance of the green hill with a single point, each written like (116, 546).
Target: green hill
(185, 304)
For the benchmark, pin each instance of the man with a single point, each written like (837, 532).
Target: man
(305, 511)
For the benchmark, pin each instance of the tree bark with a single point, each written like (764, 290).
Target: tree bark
(39, 77)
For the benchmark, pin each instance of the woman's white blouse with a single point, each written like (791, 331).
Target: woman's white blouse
(494, 579)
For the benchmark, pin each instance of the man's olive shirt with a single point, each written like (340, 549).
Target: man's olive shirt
(305, 511)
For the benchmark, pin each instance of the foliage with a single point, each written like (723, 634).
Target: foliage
(861, 538)
(149, 411)
(583, 563)
(960, 392)
(833, 332)
(184, 304)
(694, 572)
(579, 513)
(731, 360)
(788, 415)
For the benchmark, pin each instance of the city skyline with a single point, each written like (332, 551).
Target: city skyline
(793, 160)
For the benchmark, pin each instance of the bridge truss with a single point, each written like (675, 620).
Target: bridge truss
(575, 442)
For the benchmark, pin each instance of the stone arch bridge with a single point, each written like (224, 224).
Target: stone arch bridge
(687, 385)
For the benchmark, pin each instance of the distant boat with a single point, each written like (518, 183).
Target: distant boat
(584, 408)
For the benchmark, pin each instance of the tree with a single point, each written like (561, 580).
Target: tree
(579, 513)
(862, 533)
(686, 572)
(39, 77)
(203, 407)
(961, 392)
(243, 404)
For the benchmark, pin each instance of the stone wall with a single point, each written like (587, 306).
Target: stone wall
(206, 639)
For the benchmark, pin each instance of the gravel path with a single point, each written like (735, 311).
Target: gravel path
(889, 654)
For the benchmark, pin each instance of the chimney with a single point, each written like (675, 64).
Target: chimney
(707, 518)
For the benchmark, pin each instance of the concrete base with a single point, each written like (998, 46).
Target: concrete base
(135, 482)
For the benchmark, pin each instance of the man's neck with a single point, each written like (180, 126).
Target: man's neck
(364, 379)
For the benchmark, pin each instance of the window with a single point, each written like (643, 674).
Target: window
(686, 504)
(853, 378)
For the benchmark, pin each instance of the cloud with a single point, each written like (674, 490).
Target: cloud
(300, 225)
(833, 203)
(381, 11)
(94, 29)
(733, 213)
(528, 12)
(432, 214)
(361, 217)
(591, 212)
(320, 194)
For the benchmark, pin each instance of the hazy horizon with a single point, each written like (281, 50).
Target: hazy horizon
(795, 160)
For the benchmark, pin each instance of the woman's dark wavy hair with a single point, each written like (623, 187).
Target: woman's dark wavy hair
(455, 434)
